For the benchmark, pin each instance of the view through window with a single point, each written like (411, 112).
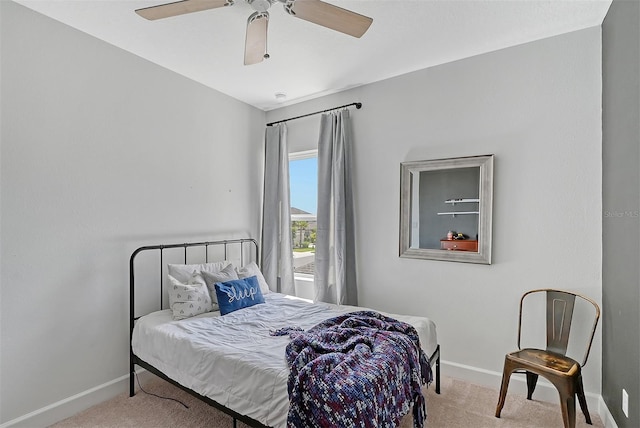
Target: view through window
(303, 178)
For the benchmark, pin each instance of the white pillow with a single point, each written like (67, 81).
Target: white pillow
(188, 300)
(183, 273)
(227, 274)
(250, 270)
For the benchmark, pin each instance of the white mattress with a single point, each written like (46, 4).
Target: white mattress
(233, 359)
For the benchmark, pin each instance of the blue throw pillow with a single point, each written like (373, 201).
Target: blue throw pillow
(238, 293)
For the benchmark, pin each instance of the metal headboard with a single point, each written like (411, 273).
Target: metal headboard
(241, 243)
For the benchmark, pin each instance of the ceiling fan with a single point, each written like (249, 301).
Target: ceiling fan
(255, 48)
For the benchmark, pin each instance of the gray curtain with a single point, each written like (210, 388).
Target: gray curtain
(277, 254)
(335, 269)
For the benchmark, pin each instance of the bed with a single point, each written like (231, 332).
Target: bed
(233, 362)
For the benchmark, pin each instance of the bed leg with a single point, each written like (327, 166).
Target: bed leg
(438, 372)
(132, 391)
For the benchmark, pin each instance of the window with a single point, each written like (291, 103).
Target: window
(303, 184)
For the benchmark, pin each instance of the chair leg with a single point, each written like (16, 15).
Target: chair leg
(506, 375)
(568, 406)
(532, 379)
(582, 400)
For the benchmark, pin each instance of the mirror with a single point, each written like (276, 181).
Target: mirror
(445, 209)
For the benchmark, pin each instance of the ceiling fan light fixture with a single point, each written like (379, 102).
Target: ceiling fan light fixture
(260, 5)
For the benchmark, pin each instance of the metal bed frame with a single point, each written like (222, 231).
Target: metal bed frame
(434, 359)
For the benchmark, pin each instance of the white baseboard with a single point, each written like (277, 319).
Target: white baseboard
(63, 409)
(545, 391)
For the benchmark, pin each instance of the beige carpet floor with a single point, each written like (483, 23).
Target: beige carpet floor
(460, 405)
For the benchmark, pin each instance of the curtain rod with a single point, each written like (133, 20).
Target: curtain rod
(358, 106)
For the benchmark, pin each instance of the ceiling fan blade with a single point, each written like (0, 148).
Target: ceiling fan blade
(255, 47)
(180, 8)
(330, 16)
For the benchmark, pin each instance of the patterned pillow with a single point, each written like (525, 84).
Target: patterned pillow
(237, 294)
(188, 300)
(252, 269)
(226, 274)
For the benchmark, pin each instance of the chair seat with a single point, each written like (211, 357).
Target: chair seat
(546, 361)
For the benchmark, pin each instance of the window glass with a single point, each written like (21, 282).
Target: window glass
(303, 184)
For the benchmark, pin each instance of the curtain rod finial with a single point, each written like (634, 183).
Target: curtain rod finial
(358, 106)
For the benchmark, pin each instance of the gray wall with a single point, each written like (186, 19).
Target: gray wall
(101, 152)
(621, 205)
(537, 107)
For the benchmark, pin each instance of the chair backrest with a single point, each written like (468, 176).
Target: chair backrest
(559, 314)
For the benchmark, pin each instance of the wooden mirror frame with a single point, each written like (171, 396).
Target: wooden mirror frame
(407, 201)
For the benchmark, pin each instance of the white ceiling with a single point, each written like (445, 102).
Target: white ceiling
(307, 60)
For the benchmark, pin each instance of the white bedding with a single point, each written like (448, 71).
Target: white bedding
(233, 359)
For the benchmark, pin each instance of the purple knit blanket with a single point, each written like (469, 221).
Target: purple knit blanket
(361, 369)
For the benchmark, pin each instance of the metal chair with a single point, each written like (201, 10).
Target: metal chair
(552, 363)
